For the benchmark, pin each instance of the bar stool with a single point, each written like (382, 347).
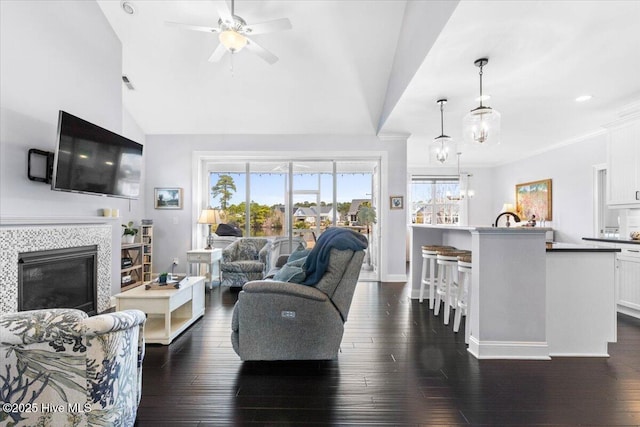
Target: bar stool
(447, 285)
(429, 270)
(464, 269)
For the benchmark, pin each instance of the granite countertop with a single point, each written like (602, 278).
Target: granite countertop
(479, 227)
(572, 247)
(624, 241)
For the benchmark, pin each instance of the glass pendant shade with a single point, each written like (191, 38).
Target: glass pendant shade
(232, 40)
(442, 148)
(482, 124)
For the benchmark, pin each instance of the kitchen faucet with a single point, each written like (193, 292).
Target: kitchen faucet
(516, 218)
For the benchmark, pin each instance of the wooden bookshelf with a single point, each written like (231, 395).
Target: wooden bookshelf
(146, 237)
(134, 251)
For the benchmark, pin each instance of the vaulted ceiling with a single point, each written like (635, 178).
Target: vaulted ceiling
(363, 67)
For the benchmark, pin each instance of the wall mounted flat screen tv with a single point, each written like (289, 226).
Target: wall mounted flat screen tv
(93, 160)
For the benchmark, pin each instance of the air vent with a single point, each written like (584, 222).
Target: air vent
(127, 83)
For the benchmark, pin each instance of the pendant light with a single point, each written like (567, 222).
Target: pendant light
(482, 124)
(442, 150)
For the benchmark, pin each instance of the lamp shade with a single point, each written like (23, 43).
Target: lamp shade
(232, 40)
(212, 216)
(507, 207)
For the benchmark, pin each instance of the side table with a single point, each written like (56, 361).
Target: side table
(211, 258)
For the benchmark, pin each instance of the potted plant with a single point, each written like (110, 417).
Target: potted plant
(366, 216)
(162, 277)
(129, 232)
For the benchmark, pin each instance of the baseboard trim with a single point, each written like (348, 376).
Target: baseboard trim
(394, 278)
(579, 354)
(628, 311)
(524, 350)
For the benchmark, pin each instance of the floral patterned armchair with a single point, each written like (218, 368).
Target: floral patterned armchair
(244, 260)
(62, 368)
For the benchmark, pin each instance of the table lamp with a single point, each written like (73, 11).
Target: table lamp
(211, 217)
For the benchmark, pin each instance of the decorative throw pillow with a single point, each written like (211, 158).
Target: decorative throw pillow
(291, 273)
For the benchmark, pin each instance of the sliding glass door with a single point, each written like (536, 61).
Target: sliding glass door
(298, 198)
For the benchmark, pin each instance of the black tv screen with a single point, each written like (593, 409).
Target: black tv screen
(94, 160)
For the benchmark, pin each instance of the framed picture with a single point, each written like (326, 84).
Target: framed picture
(168, 198)
(534, 198)
(396, 202)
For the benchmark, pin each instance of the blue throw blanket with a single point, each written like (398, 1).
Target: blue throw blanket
(333, 238)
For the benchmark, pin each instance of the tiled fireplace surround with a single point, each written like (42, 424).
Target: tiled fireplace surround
(29, 238)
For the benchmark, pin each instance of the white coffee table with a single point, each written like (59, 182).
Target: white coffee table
(169, 311)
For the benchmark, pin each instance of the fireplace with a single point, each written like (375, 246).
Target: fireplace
(28, 235)
(58, 278)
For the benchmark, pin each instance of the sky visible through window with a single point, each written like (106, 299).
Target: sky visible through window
(269, 189)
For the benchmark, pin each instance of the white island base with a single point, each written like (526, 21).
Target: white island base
(527, 300)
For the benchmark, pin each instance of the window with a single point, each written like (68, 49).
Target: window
(283, 194)
(435, 200)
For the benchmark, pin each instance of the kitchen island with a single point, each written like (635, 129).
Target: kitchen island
(520, 287)
(628, 286)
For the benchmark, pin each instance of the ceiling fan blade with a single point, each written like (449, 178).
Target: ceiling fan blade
(260, 51)
(193, 27)
(223, 11)
(218, 53)
(268, 27)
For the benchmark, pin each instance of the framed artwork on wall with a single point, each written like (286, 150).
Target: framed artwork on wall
(168, 198)
(534, 198)
(396, 202)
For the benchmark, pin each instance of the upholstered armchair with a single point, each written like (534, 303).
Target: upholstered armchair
(62, 368)
(244, 260)
(288, 321)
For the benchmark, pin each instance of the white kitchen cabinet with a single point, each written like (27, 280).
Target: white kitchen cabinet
(623, 164)
(629, 281)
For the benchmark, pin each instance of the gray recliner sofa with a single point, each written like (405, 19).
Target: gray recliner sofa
(287, 321)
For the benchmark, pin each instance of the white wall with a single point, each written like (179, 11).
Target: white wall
(169, 161)
(571, 170)
(57, 56)
(54, 56)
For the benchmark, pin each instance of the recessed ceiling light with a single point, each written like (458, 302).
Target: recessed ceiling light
(583, 98)
(128, 7)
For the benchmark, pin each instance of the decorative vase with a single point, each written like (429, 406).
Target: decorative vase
(128, 238)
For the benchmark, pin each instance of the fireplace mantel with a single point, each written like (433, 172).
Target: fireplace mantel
(8, 220)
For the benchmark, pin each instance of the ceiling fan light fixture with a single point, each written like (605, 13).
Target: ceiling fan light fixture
(232, 40)
(482, 124)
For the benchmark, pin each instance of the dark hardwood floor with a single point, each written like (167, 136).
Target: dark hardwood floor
(399, 365)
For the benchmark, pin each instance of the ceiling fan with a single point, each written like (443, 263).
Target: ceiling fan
(234, 32)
